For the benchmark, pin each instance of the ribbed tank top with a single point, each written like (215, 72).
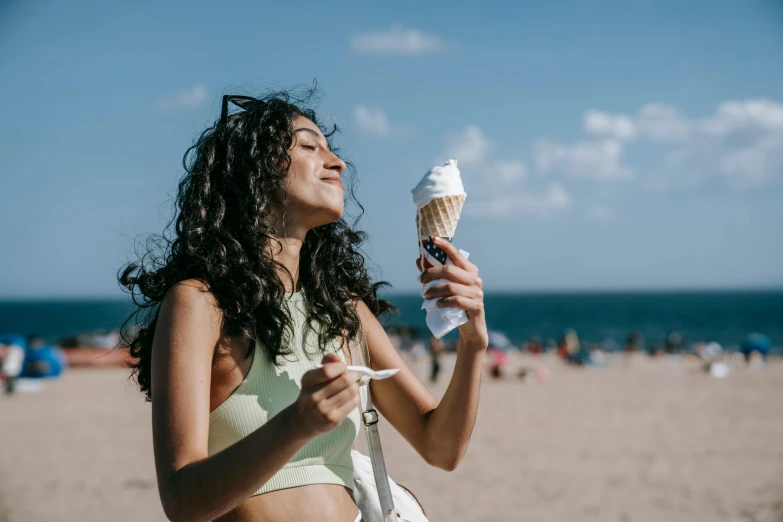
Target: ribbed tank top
(266, 391)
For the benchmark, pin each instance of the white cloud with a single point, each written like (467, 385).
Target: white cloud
(741, 141)
(189, 98)
(654, 122)
(510, 171)
(396, 40)
(599, 160)
(552, 200)
(372, 120)
(741, 144)
(756, 165)
(473, 150)
(500, 185)
(469, 146)
(618, 126)
(735, 116)
(662, 123)
(600, 213)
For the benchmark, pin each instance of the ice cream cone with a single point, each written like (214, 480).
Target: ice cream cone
(438, 197)
(440, 216)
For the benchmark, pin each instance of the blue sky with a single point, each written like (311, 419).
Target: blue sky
(603, 145)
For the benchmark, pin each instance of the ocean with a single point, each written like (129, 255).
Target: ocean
(725, 317)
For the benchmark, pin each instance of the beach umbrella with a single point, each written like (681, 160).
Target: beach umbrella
(756, 342)
(711, 350)
(499, 340)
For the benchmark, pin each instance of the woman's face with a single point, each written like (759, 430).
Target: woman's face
(313, 186)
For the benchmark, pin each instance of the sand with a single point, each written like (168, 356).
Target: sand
(638, 441)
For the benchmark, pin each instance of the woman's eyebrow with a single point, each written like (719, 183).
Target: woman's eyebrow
(315, 134)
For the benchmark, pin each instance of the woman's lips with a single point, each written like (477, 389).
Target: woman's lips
(336, 181)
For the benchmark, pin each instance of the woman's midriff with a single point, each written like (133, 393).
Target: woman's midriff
(322, 502)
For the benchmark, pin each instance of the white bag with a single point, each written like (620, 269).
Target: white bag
(378, 497)
(365, 493)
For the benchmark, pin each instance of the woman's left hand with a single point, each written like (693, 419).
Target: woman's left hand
(463, 291)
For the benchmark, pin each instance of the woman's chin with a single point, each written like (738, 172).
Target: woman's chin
(337, 214)
(328, 215)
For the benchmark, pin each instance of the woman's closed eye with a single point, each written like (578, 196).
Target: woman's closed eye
(309, 147)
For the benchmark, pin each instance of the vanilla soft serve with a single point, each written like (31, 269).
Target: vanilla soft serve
(438, 182)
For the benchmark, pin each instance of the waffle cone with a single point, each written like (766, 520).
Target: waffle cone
(440, 216)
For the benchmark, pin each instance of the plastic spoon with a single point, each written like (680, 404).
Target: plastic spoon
(369, 372)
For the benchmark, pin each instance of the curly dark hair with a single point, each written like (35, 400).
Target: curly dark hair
(221, 233)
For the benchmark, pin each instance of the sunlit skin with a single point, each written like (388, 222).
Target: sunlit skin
(196, 367)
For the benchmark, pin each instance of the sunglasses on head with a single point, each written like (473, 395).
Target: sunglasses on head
(243, 102)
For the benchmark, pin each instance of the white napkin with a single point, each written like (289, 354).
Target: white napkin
(442, 320)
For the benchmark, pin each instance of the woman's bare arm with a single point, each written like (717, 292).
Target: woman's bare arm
(402, 399)
(192, 485)
(439, 432)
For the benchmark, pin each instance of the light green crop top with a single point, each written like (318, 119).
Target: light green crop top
(266, 391)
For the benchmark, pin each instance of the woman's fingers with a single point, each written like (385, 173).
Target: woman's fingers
(336, 386)
(454, 254)
(320, 377)
(452, 273)
(465, 303)
(454, 289)
(344, 396)
(328, 394)
(344, 410)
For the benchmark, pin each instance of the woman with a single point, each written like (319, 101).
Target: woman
(245, 427)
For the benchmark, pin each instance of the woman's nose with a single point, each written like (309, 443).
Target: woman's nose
(335, 163)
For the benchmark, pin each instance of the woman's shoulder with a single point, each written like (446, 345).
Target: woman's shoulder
(192, 299)
(191, 290)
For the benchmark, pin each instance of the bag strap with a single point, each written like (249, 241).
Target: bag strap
(370, 421)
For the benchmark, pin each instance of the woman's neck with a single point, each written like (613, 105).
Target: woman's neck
(286, 251)
(288, 237)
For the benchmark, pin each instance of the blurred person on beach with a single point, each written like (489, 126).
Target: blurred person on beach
(535, 346)
(562, 348)
(261, 278)
(498, 361)
(437, 347)
(405, 338)
(572, 350)
(498, 344)
(395, 339)
(673, 343)
(635, 343)
(42, 359)
(12, 353)
(417, 347)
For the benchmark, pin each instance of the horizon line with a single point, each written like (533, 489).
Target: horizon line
(395, 292)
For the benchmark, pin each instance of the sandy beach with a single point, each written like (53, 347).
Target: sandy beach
(640, 440)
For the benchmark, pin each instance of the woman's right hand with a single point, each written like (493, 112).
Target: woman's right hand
(328, 395)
